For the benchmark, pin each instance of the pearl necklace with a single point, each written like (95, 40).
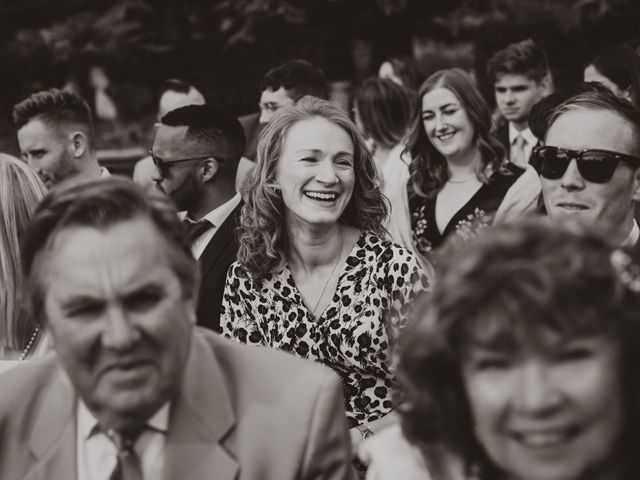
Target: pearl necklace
(30, 344)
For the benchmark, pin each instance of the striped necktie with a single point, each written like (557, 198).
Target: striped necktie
(128, 466)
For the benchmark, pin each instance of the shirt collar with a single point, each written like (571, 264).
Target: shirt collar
(218, 215)
(527, 134)
(87, 423)
(104, 173)
(633, 236)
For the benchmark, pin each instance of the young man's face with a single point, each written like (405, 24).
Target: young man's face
(271, 101)
(516, 94)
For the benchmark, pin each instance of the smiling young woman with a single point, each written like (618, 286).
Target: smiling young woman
(315, 274)
(459, 173)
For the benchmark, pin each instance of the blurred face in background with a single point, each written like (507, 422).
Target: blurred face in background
(48, 151)
(516, 94)
(446, 123)
(552, 411)
(271, 101)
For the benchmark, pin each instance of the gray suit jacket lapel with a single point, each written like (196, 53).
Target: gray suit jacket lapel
(201, 416)
(53, 439)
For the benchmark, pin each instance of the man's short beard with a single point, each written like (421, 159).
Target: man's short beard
(188, 195)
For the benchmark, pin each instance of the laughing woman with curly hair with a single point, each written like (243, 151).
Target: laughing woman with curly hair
(315, 274)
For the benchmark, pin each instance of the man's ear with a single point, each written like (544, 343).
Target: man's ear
(79, 143)
(545, 84)
(635, 194)
(208, 169)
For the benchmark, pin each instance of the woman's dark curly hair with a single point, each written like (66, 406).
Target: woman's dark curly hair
(515, 284)
(429, 171)
(263, 235)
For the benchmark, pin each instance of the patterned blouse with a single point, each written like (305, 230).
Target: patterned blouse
(355, 333)
(475, 215)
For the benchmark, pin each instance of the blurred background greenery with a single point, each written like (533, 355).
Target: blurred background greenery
(225, 46)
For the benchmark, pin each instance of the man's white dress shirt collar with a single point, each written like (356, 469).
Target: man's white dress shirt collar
(96, 454)
(217, 217)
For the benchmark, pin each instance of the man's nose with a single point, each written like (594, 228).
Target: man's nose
(265, 116)
(120, 333)
(509, 97)
(572, 180)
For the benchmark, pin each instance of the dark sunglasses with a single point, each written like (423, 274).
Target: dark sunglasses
(596, 166)
(162, 165)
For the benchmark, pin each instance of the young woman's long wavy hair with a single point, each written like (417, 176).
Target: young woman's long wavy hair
(20, 192)
(429, 171)
(263, 235)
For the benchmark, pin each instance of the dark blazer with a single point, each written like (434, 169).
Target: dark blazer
(242, 413)
(214, 262)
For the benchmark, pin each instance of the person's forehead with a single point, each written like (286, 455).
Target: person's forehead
(128, 250)
(511, 80)
(581, 128)
(280, 96)
(172, 141)
(38, 130)
(317, 133)
(439, 96)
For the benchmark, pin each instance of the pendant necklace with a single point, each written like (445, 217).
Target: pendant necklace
(333, 270)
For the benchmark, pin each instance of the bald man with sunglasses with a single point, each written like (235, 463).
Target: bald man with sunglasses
(589, 159)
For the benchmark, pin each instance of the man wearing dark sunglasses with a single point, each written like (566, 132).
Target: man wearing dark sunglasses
(196, 151)
(589, 163)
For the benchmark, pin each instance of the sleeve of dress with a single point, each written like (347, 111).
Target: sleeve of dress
(406, 282)
(522, 197)
(236, 319)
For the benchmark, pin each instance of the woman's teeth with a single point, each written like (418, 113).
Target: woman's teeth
(446, 136)
(322, 196)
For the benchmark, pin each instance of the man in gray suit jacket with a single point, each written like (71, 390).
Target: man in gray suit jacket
(133, 389)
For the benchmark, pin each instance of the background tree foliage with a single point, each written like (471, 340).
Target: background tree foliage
(225, 46)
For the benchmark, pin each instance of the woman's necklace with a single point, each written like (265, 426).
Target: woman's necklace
(30, 344)
(463, 180)
(333, 270)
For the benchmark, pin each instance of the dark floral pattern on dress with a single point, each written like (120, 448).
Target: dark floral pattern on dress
(477, 214)
(356, 332)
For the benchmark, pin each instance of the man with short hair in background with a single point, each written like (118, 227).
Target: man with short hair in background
(56, 136)
(177, 93)
(520, 77)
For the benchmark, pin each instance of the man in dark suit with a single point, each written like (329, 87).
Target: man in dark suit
(589, 165)
(196, 151)
(133, 389)
(520, 76)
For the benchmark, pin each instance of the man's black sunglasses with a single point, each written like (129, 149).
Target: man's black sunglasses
(162, 165)
(596, 166)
